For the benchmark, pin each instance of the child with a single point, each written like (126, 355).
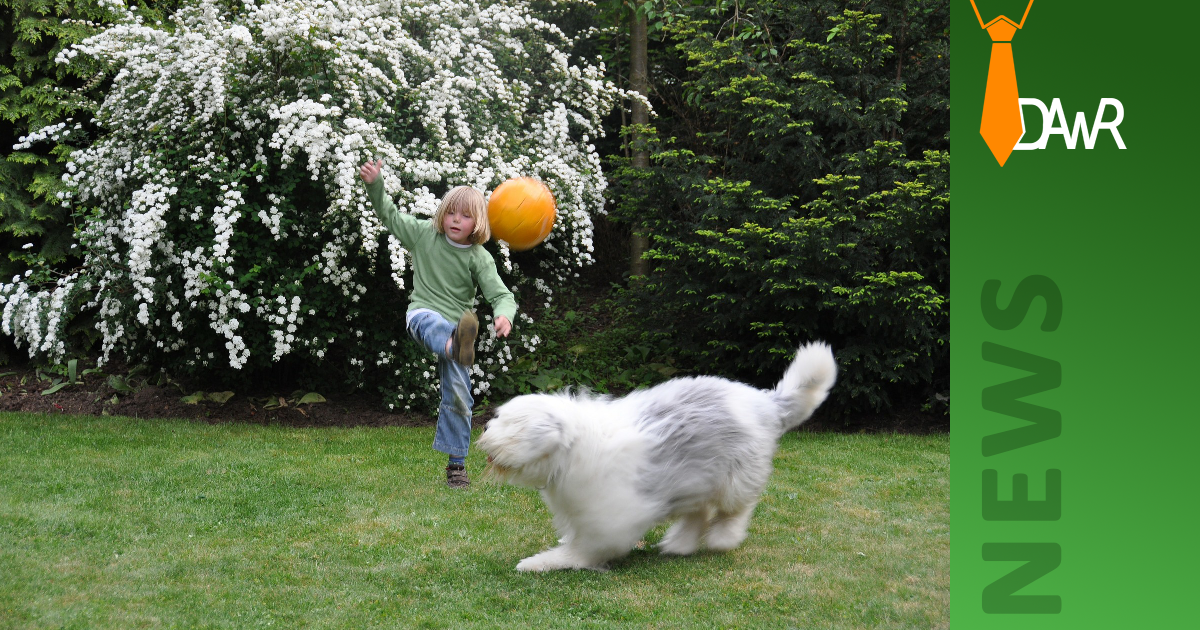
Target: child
(449, 263)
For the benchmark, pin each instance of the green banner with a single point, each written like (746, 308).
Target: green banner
(1073, 325)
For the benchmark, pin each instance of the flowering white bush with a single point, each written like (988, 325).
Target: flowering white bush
(220, 210)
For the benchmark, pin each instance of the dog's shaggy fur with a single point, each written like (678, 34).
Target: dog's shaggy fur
(695, 449)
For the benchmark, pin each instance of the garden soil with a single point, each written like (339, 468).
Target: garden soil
(21, 389)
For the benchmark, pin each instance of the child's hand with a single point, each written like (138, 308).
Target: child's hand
(369, 172)
(503, 326)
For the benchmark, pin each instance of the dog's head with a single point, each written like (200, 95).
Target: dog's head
(522, 441)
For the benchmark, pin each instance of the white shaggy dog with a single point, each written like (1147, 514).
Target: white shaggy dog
(695, 449)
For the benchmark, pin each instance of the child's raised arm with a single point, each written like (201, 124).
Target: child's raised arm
(403, 226)
(369, 171)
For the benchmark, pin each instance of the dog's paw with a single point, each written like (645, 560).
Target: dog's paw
(548, 560)
(725, 540)
(678, 547)
(727, 532)
(683, 537)
(532, 564)
(557, 559)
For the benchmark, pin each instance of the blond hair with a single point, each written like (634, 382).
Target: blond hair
(469, 202)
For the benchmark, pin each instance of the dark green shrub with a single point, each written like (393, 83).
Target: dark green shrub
(36, 92)
(799, 190)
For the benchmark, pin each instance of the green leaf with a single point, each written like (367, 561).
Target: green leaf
(55, 388)
(310, 398)
(193, 399)
(546, 382)
(119, 383)
(219, 397)
(666, 370)
(73, 371)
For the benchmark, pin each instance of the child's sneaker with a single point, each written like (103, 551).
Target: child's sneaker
(456, 476)
(462, 344)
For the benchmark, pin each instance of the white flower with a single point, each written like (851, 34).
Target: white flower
(483, 109)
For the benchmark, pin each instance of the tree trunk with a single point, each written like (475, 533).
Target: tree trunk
(639, 82)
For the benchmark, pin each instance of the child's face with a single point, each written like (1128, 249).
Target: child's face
(458, 226)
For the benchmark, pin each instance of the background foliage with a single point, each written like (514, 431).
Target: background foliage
(799, 189)
(218, 203)
(36, 92)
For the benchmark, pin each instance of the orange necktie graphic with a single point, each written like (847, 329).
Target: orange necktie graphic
(1001, 125)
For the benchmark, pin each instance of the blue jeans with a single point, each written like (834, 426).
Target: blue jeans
(453, 434)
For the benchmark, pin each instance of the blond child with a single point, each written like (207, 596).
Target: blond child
(449, 265)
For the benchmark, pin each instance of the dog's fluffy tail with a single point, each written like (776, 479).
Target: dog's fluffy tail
(805, 384)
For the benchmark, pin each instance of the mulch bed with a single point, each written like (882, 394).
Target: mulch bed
(21, 390)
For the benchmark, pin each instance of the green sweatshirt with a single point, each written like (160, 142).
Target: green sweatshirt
(444, 276)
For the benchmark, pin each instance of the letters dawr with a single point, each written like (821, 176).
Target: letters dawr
(1054, 121)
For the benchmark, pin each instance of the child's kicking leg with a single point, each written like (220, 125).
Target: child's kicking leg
(453, 433)
(461, 346)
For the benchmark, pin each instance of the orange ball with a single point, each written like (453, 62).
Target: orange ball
(521, 212)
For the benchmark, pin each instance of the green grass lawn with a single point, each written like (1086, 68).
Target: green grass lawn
(120, 523)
